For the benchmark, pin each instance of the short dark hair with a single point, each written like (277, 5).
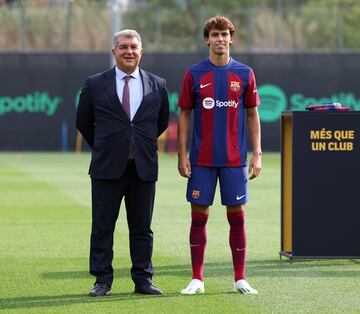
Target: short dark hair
(218, 22)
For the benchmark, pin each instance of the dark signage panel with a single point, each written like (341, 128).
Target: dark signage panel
(320, 211)
(38, 91)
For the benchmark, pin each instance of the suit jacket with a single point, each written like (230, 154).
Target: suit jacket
(106, 127)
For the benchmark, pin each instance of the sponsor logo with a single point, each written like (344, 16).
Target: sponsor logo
(299, 101)
(192, 245)
(204, 85)
(237, 249)
(195, 194)
(273, 102)
(235, 86)
(208, 103)
(229, 103)
(38, 102)
(240, 197)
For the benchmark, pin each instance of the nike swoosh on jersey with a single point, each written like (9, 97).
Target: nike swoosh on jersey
(240, 197)
(202, 86)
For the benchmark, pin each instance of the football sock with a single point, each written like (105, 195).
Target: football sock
(198, 243)
(237, 240)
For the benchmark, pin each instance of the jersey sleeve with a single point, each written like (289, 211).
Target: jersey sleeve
(251, 94)
(186, 99)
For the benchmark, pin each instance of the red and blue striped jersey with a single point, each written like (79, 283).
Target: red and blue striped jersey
(219, 96)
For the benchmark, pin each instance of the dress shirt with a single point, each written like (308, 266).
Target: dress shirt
(135, 88)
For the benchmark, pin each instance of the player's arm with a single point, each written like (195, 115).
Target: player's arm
(253, 123)
(186, 104)
(184, 166)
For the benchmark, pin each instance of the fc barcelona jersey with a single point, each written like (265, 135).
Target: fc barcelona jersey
(219, 96)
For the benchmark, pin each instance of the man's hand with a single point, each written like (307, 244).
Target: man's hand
(184, 165)
(255, 166)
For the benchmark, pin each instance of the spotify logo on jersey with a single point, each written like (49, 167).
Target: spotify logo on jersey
(273, 102)
(208, 103)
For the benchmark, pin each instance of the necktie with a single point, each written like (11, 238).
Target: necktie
(126, 96)
(126, 105)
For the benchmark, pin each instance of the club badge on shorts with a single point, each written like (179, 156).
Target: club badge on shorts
(235, 86)
(195, 194)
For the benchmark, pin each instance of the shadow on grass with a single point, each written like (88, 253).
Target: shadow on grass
(69, 299)
(258, 268)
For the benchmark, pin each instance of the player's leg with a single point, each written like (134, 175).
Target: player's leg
(197, 238)
(200, 193)
(234, 195)
(237, 239)
(199, 217)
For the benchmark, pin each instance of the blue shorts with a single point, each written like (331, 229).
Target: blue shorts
(233, 185)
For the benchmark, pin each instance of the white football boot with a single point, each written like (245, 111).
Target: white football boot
(243, 287)
(195, 286)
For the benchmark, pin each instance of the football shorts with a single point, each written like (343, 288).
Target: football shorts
(233, 185)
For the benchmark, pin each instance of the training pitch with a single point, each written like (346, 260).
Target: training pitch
(45, 222)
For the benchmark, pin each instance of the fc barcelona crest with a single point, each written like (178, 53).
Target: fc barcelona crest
(195, 194)
(235, 86)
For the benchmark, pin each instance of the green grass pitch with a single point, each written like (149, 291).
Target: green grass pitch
(45, 221)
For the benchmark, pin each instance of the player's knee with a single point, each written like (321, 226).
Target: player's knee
(199, 219)
(236, 218)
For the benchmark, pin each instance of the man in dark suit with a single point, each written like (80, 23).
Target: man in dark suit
(121, 113)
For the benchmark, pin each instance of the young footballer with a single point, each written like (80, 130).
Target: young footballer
(222, 93)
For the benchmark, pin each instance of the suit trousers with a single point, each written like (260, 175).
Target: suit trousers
(139, 203)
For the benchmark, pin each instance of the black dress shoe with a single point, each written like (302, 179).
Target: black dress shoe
(100, 289)
(147, 289)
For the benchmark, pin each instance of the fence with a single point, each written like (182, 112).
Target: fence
(80, 25)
